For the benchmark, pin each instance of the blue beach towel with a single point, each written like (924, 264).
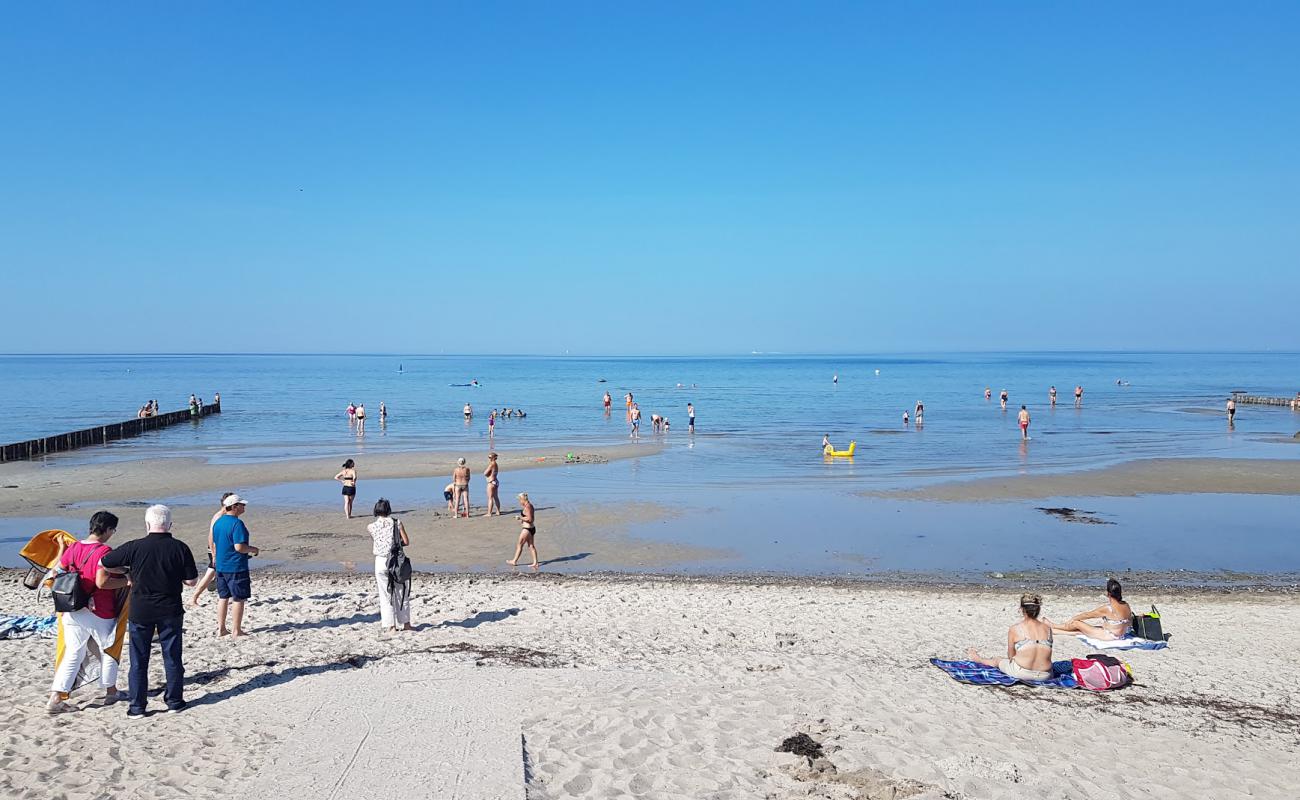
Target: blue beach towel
(18, 627)
(984, 675)
(1127, 643)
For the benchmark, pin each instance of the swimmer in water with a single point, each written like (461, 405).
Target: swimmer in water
(608, 401)
(1232, 411)
(826, 444)
(905, 419)
(988, 393)
(1078, 396)
(920, 413)
(1051, 395)
(1024, 422)
(1003, 398)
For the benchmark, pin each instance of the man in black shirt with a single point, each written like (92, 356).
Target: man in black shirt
(157, 565)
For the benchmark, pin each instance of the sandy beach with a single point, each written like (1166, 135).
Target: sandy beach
(549, 687)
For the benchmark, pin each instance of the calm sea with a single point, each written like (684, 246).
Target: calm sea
(759, 418)
(752, 479)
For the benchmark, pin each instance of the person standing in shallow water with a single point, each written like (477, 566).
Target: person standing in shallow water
(1078, 396)
(1002, 398)
(1051, 395)
(493, 485)
(348, 477)
(460, 487)
(1024, 422)
(1232, 411)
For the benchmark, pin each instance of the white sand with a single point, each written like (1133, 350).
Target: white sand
(642, 687)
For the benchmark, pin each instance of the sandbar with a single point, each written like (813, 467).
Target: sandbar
(1130, 479)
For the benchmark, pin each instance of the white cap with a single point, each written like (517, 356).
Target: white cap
(233, 500)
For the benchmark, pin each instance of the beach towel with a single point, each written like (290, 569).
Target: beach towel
(1127, 643)
(20, 626)
(984, 675)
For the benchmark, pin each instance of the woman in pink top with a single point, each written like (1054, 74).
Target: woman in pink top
(98, 620)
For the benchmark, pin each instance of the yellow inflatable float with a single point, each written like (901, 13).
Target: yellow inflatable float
(831, 452)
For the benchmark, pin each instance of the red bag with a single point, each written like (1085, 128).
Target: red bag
(1101, 673)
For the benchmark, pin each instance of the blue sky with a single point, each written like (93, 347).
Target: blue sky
(649, 178)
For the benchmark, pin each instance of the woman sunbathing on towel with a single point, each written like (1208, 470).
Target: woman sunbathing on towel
(1116, 617)
(1029, 645)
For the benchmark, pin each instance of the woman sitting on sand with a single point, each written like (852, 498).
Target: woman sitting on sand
(1116, 617)
(1029, 645)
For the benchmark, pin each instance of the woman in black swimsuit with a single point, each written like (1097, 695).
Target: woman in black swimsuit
(348, 476)
(528, 529)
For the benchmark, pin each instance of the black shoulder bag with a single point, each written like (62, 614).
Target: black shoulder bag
(67, 591)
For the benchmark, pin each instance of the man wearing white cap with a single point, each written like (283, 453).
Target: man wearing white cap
(230, 538)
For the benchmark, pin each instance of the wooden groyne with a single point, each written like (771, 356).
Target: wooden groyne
(1257, 400)
(102, 434)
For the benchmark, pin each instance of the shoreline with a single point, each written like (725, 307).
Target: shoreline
(1064, 583)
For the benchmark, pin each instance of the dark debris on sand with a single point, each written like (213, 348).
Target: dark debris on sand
(1075, 515)
(801, 744)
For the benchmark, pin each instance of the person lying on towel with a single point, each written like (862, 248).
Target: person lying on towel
(1029, 645)
(1115, 617)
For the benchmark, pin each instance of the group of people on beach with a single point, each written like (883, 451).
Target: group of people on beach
(152, 569)
(1029, 640)
(457, 496)
(357, 416)
(658, 422)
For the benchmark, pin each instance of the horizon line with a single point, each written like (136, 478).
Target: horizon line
(753, 354)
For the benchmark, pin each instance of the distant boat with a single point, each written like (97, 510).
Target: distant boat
(399, 367)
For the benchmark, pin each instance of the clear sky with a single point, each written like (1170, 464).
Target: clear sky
(605, 178)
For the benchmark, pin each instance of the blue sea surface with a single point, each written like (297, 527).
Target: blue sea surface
(760, 418)
(752, 481)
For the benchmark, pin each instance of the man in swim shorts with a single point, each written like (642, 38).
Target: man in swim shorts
(1024, 422)
(690, 418)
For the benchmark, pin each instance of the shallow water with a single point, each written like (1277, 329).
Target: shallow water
(752, 479)
(760, 418)
(823, 529)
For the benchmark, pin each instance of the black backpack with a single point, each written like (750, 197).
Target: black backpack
(67, 591)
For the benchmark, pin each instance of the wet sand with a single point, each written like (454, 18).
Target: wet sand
(1147, 476)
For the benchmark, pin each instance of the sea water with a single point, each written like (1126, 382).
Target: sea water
(751, 483)
(760, 418)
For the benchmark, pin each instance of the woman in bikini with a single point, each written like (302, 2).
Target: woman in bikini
(494, 500)
(348, 477)
(1116, 617)
(1029, 645)
(528, 530)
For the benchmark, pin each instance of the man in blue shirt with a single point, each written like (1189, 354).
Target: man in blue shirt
(230, 537)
